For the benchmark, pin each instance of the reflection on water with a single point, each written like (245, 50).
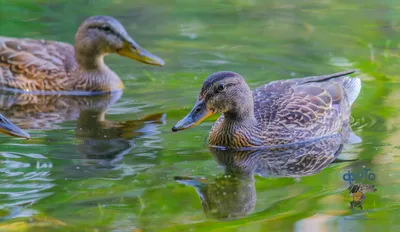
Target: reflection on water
(233, 194)
(124, 181)
(98, 138)
(32, 111)
(101, 144)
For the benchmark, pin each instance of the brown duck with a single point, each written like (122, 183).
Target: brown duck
(39, 65)
(281, 112)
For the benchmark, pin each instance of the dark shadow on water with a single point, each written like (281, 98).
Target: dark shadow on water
(233, 195)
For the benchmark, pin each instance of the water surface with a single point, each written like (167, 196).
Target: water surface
(111, 163)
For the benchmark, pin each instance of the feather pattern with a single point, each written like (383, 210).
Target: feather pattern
(34, 65)
(288, 111)
(42, 66)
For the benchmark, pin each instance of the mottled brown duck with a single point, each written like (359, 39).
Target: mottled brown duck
(233, 194)
(281, 112)
(8, 128)
(41, 65)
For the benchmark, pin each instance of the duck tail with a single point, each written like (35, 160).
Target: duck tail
(352, 86)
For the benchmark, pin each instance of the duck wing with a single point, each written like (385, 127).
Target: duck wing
(33, 65)
(299, 109)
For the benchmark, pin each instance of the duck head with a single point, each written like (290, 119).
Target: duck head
(99, 35)
(222, 92)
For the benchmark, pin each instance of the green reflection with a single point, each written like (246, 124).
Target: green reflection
(262, 40)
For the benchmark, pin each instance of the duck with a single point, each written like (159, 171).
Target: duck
(9, 128)
(280, 112)
(50, 66)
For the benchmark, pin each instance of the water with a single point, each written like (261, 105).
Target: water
(128, 172)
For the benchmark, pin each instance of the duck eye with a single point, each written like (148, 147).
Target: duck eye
(106, 28)
(221, 87)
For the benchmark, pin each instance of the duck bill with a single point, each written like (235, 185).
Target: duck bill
(132, 50)
(9, 128)
(196, 116)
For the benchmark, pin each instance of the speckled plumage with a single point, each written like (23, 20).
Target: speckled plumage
(281, 112)
(34, 65)
(288, 160)
(41, 65)
(288, 111)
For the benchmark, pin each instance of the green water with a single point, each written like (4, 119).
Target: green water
(79, 173)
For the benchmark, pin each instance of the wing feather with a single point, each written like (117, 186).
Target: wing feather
(291, 110)
(34, 64)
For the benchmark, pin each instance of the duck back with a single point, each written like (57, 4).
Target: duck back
(302, 109)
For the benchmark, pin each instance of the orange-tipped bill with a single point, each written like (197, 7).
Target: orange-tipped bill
(9, 128)
(132, 50)
(196, 116)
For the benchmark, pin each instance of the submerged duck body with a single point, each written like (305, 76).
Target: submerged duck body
(281, 112)
(40, 65)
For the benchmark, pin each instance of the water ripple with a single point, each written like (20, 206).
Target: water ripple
(363, 122)
(25, 179)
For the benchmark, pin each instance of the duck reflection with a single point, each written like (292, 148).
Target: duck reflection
(98, 138)
(103, 139)
(233, 194)
(94, 150)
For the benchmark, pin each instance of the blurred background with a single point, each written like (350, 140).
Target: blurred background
(118, 174)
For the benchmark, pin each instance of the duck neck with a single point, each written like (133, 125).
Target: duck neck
(91, 67)
(243, 114)
(238, 129)
(239, 122)
(89, 60)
